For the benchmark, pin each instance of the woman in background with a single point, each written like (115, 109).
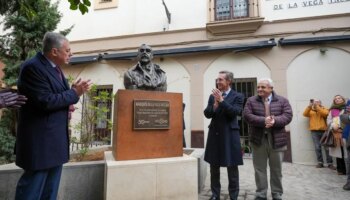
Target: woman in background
(334, 126)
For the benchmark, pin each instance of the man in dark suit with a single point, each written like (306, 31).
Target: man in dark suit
(223, 148)
(42, 144)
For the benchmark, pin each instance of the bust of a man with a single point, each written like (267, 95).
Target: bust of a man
(145, 75)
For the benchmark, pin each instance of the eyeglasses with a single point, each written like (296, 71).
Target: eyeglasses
(219, 79)
(145, 50)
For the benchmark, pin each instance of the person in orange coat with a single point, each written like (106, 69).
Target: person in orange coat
(317, 115)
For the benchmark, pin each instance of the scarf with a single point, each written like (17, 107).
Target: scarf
(336, 109)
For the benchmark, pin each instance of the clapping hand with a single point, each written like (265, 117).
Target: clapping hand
(217, 96)
(81, 86)
(269, 121)
(10, 99)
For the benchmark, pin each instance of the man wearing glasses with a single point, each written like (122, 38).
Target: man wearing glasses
(145, 75)
(223, 148)
(267, 115)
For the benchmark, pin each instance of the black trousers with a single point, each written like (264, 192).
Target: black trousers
(233, 181)
(341, 167)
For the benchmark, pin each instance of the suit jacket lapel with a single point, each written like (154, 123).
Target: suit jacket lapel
(65, 81)
(230, 95)
(53, 72)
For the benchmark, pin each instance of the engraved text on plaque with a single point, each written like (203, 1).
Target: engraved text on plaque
(151, 114)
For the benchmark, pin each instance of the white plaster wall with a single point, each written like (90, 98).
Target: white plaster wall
(133, 17)
(314, 75)
(241, 64)
(178, 80)
(302, 8)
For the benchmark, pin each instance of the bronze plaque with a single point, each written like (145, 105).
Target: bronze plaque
(151, 114)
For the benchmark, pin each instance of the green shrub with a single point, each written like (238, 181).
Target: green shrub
(7, 144)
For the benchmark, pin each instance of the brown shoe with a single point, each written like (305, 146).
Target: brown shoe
(319, 165)
(341, 173)
(331, 167)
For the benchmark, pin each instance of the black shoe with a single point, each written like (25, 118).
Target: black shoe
(347, 186)
(214, 198)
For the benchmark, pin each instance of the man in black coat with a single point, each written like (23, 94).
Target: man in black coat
(42, 144)
(223, 148)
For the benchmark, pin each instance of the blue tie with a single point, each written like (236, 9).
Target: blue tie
(223, 94)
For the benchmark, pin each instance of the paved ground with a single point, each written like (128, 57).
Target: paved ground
(300, 182)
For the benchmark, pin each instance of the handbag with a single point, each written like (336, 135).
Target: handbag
(327, 139)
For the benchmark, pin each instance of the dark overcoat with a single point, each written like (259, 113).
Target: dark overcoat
(223, 146)
(42, 134)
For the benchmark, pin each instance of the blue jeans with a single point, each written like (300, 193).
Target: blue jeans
(316, 137)
(39, 184)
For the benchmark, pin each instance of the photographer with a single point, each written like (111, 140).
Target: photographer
(317, 115)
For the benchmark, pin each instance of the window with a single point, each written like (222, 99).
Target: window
(96, 115)
(104, 4)
(231, 9)
(246, 86)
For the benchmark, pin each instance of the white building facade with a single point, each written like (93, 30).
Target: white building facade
(304, 46)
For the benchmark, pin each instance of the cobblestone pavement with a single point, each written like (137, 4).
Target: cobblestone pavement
(300, 182)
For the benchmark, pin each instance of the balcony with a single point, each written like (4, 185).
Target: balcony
(234, 17)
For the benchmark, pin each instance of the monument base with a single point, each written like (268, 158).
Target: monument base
(162, 178)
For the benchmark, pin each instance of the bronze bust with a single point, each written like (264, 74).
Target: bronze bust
(145, 75)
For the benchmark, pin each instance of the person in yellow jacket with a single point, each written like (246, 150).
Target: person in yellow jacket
(317, 115)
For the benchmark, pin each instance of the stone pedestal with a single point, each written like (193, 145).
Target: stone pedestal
(151, 179)
(130, 143)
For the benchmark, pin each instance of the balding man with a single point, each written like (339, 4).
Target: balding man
(145, 75)
(267, 115)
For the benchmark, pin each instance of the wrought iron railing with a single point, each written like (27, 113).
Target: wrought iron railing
(233, 9)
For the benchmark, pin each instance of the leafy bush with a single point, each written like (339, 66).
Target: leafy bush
(7, 144)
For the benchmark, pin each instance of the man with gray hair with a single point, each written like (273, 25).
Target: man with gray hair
(267, 115)
(223, 147)
(42, 144)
